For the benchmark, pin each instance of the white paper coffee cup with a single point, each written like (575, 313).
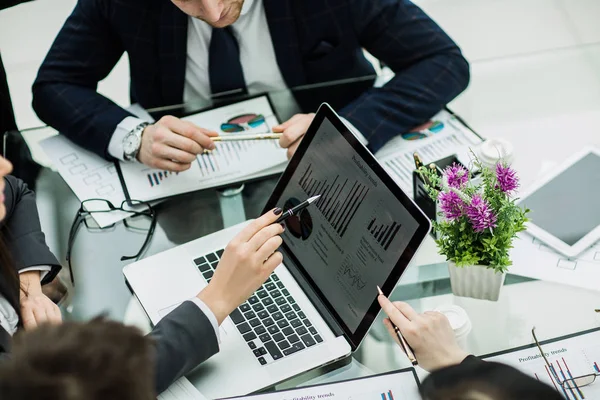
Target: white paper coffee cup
(459, 321)
(493, 150)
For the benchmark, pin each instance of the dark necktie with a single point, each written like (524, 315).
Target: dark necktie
(224, 65)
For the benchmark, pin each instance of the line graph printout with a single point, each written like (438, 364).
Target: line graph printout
(399, 385)
(397, 155)
(229, 162)
(569, 358)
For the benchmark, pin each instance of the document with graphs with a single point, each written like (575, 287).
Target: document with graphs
(397, 385)
(230, 162)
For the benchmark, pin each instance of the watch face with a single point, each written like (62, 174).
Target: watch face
(131, 143)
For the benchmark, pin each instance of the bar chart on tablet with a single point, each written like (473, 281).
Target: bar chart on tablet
(340, 198)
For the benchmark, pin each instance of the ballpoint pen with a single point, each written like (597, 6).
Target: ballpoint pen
(236, 137)
(418, 161)
(295, 210)
(405, 346)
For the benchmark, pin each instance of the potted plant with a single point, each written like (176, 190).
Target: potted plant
(477, 222)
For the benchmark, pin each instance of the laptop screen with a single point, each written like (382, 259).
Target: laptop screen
(361, 232)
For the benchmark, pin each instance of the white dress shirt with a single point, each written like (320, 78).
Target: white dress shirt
(257, 57)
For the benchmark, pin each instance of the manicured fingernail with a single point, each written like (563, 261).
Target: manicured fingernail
(379, 290)
(277, 211)
(283, 226)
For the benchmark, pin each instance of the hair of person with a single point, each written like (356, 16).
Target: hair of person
(8, 274)
(99, 359)
(480, 380)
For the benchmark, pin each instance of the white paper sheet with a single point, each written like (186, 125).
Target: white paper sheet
(577, 356)
(534, 259)
(395, 386)
(230, 162)
(181, 389)
(88, 176)
(452, 137)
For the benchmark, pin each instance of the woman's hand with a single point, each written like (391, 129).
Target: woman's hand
(429, 335)
(36, 307)
(246, 264)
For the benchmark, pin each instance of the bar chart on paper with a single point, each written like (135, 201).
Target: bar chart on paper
(155, 178)
(340, 198)
(229, 156)
(575, 357)
(387, 395)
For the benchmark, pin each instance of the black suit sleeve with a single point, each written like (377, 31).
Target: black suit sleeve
(9, 3)
(430, 69)
(22, 231)
(64, 93)
(184, 339)
(474, 375)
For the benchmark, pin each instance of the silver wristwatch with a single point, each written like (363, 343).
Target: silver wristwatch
(132, 142)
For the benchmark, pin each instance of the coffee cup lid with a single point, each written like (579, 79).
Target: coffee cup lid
(492, 150)
(459, 320)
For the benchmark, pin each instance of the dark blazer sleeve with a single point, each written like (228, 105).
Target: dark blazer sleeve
(184, 339)
(64, 92)
(9, 3)
(430, 69)
(474, 374)
(22, 231)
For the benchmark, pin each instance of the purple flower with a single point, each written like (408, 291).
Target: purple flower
(480, 214)
(456, 176)
(451, 204)
(507, 178)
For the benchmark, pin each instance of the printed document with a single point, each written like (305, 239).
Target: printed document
(231, 162)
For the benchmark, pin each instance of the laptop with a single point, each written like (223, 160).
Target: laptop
(317, 306)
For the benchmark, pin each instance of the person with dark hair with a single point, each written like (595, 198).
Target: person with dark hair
(184, 50)
(96, 360)
(456, 375)
(107, 360)
(182, 340)
(26, 263)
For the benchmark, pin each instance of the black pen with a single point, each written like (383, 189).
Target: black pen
(405, 346)
(295, 210)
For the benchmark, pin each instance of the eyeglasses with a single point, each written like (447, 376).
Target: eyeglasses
(567, 382)
(243, 122)
(135, 221)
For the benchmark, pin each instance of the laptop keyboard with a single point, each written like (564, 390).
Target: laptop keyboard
(271, 322)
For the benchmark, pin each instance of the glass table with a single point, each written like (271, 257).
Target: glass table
(553, 308)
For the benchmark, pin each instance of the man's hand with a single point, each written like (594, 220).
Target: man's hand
(292, 131)
(172, 144)
(246, 264)
(430, 334)
(36, 308)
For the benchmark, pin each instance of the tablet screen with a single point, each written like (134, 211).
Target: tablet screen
(568, 206)
(362, 231)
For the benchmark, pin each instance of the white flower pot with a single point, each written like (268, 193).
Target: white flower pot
(476, 281)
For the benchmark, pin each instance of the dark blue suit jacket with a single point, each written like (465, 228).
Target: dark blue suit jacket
(314, 41)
